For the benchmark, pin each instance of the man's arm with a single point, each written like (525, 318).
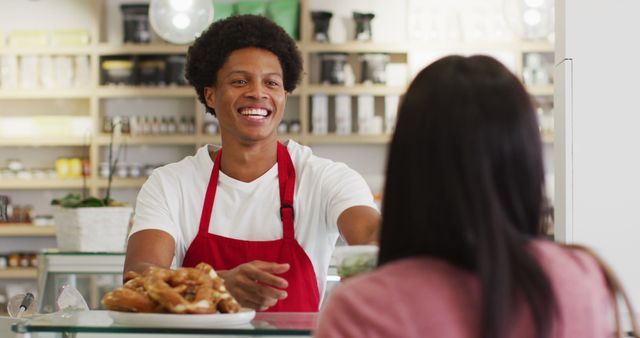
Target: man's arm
(149, 248)
(252, 283)
(359, 225)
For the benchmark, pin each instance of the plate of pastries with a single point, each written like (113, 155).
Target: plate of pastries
(184, 297)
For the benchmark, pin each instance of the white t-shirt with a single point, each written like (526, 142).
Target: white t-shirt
(171, 200)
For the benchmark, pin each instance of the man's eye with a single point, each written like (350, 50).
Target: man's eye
(239, 82)
(273, 83)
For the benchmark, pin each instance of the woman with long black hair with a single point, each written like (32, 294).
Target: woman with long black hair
(462, 248)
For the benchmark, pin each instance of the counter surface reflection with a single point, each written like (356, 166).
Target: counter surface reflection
(264, 324)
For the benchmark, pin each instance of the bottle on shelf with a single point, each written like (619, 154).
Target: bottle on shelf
(136, 125)
(191, 125)
(146, 125)
(155, 126)
(107, 125)
(164, 125)
(125, 125)
(183, 126)
(172, 126)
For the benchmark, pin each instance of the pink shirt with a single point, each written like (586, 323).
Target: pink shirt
(425, 297)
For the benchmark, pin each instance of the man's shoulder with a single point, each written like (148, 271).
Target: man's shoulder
(185, 168)
(304, 159)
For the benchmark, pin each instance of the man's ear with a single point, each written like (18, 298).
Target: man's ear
(210, 96)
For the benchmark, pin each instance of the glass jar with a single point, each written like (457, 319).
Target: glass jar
(75, 167)
(104, 169)
(121, 170)
(62, 167)
(135, 170)
(13, 260)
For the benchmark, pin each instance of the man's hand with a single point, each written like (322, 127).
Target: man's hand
(254, 284)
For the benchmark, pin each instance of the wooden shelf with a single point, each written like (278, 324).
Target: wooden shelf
(348, 139)
(75, 183)
(130, 48)
(536, 46)
(122, 182)
(94, 100)
(356, 47)
(131, 91)
(378, 90)
(43, 93)
(203, 139)
(26, 230)
(43, 141)
(547, 138)
(295, 137)
(540, 90)
(407, 47)
(104, 139)
(46, 50)
(19, 273)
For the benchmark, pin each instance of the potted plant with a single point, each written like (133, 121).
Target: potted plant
(91, 223)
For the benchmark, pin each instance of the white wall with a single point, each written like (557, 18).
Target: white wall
(597, 120)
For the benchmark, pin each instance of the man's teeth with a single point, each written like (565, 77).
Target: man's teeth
(254, 112)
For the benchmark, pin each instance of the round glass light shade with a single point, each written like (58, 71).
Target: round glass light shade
(180, 21)
(529, 19)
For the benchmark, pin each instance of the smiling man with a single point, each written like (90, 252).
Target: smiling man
(264, 214)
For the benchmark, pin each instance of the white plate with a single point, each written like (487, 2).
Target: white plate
(186, 320)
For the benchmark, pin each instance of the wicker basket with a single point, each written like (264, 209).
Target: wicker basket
(92, 229)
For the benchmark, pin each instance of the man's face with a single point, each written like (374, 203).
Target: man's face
(249, 95)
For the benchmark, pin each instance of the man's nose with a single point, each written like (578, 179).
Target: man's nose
(256, 91)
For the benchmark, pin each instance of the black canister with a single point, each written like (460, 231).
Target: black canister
(363, 25)
(176, 70)
(374, 68)
(332, 68)
(4, 205)
(135, 18)
(151, 72)
(321, 20)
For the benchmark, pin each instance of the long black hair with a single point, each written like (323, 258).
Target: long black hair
(465, 184)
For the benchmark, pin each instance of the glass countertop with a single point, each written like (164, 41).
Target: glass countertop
(264, 324)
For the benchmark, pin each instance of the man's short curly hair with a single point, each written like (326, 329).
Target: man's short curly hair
(210, 51)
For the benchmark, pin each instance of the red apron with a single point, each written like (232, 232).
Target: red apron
(225, 253)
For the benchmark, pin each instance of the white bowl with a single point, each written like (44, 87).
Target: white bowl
(355, 259)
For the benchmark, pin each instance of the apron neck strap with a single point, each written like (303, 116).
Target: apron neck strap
(209, 197)
(286, 184)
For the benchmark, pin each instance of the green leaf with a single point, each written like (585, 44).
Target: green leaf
(75, 201)
(91, 202)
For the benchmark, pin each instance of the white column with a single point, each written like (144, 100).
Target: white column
(598, 131)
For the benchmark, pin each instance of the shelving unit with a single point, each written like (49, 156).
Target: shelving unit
(96, 94)
(68, 183)
(378, 90)
(19, 273)
(94, 99)
(26, 230)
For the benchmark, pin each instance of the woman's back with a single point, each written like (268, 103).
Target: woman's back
(424, 297)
